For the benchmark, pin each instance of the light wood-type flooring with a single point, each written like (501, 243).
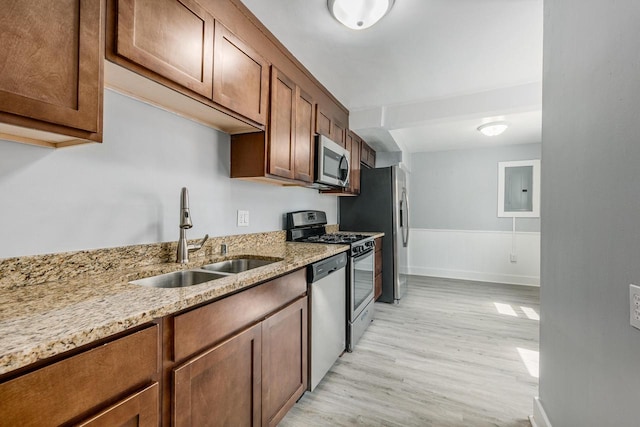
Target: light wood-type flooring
(444, 356)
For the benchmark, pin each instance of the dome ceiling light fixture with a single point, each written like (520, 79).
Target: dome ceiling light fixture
(359, 14)
(493, 128)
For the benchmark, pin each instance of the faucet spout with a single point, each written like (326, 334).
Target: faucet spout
(185, 214)
(182, 255)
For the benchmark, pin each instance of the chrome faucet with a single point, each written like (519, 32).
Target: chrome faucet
(185, 223)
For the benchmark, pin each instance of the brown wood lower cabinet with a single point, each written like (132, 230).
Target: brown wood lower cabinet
(284, 361)
(237, 361)
(251, 379)
(221, 387)
(241, 360)
(378, 266)
(78, 387)
(139, 410)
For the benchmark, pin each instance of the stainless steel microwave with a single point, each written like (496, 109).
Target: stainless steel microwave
(332, 163)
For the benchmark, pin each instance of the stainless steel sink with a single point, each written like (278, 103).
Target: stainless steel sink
(179, 279)
(239, 265)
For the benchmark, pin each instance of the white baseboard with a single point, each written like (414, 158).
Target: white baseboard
(476, 276)
(539, 417)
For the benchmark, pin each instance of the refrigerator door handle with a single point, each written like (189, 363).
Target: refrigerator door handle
(404, 218)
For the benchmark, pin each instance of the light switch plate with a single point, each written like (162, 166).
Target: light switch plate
(634, 305)
(243, 218)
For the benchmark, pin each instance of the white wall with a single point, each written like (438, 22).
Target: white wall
(126, 190)
(475, 255)
(456, 232)
(589, 354)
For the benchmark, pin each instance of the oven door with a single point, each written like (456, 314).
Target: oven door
(362, 282)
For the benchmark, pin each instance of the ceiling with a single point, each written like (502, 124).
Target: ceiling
(427, 75)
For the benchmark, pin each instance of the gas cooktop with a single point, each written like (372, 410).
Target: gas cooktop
(337, 238)
(310, 227)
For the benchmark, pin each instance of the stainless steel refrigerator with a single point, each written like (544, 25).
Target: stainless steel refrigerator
(383, 206)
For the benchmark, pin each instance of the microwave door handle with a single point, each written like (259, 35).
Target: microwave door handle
(345, 160)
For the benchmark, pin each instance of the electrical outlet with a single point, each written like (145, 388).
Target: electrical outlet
(513, 258)
(634, 306)
(243, 218)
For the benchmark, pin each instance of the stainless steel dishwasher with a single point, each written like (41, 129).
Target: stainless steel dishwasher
(328, 300)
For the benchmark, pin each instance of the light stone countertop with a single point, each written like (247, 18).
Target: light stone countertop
(44, 320)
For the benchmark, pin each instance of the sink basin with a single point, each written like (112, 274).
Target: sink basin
(238, 265)
(178, 279)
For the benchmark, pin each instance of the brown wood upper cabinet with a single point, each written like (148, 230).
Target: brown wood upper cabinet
(368, 155)
(51, 62)
(354, 179)
(291, 153)
(172, 38)
(180, 45)
(304, 147)
(282, 135)
(329, 124)
(283, 154)
(240, 76)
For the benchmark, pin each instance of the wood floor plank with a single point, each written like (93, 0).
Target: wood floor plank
(444, 356)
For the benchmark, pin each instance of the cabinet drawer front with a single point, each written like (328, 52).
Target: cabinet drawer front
(169, 37)
(205, 326)
(57, 393)
(51, 60)
(138, 410)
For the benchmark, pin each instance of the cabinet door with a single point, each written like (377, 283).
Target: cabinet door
(339, 133)
(284, 361)
(354, 183)
(138, 410)
(323, 122)
(221, 387)
(372, 157)
(173, 38)
(51, 63)
(240, 76)
(304, 145)
(364, 153)
(282, 125)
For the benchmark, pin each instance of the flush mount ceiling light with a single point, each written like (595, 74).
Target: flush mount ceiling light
(493, 128)
(359, 14)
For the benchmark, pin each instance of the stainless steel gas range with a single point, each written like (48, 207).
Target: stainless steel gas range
(310, 227)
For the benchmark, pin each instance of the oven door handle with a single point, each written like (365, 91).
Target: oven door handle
(363, 254)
